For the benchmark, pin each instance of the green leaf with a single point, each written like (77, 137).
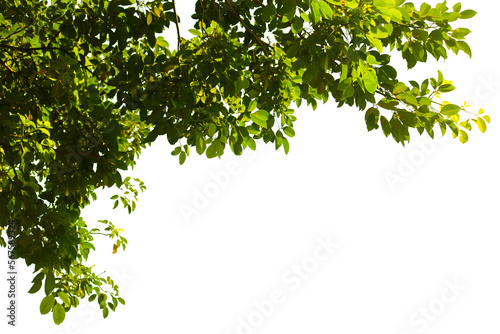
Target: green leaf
(408, 98)
(325, 9)
(370, 80)
(47, 304)
(371, 118)
(460, 33)
(77, 271)
(289, 131)
(65, 298)
(446, 88)
(286, 145)
(261, 114)
(315, 11)
(304, 17)
(182, 157)
(252, 105)
(353, 4)
(195, 32)
(467, 14)
(211, 130)
(176, 151)
(58, 314)
(375, 42)
(35, 287)
(200, 145)
(38, 278)
(105, 312)
(399, 88)
(251, 143)
(424, 9)
(308, 76)
(214, 149)
(386, 126)
(50, 282)
(465, 48)
(407, 118)
(424, 101)
(450, 110)
(260, 118)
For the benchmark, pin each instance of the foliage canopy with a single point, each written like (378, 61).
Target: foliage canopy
(85, 85)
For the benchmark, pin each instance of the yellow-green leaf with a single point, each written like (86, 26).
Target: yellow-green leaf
(158, 11)
(375, 42)
(481, 124)
(47, 304)
(463, 137)
(399, 88)
(450, 110)
(325, 10)
(58, 314)
(65, 298)
(370, 80)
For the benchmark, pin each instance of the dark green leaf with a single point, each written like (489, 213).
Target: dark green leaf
(386, 127)
(50, 282)
(371, 118)
(35, 287)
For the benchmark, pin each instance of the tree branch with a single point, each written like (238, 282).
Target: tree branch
(262, 43)
(177, 26)
(178, 35)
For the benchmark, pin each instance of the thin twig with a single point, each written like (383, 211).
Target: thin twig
(177, 26)
(178, 36)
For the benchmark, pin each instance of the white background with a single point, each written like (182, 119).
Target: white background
(398, 247)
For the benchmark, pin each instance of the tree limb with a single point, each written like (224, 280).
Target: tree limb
(262, 43)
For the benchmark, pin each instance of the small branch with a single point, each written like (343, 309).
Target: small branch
(46, 48)
(106, 235)
(178, 36)
(18, 31)
(228, 2)
(7, 65)
(17, 48)
(177, 26)
(462, 109)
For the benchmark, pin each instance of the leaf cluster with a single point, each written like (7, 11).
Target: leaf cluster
(86, 85)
